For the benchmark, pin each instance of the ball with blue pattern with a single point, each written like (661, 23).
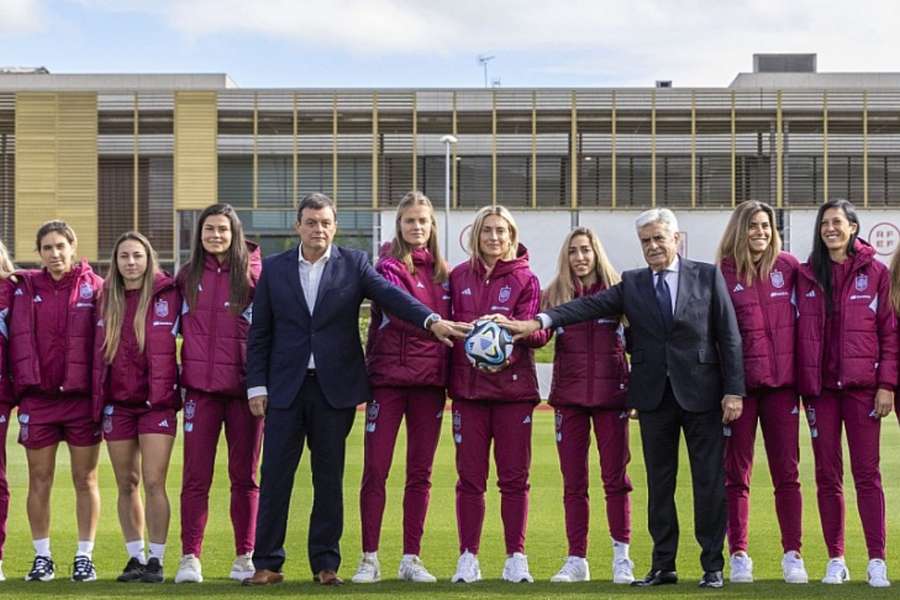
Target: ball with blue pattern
(488, 345)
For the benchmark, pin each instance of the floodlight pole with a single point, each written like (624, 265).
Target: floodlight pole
(448, 141)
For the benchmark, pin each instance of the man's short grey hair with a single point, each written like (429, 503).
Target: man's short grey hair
(657, 215)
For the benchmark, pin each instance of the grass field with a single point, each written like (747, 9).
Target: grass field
(546, 539)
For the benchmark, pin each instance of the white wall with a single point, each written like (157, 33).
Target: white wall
(543, 231)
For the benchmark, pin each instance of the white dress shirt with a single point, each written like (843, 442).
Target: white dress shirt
(671, 275)
(310, 278)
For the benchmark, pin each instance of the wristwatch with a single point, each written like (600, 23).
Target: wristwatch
(431, 320)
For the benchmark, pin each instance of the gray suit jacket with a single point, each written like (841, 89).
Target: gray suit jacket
(701, 354)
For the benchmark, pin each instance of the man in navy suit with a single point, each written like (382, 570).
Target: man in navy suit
(306, 374)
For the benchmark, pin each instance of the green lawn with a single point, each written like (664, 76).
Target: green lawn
(546, 540)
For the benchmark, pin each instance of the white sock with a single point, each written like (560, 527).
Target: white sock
(157, 551)
(620, 550)
(42, 547)
(135, 549)
(370, 555)
(85, 548)
(410, 556)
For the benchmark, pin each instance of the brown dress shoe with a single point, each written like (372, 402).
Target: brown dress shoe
(326, 577)
(264, 577)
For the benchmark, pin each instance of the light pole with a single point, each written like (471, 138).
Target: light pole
(448, 141)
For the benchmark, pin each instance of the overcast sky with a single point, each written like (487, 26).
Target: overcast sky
(428, 43)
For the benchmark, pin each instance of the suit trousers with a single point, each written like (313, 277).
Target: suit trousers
(311, 420)
(660, 433)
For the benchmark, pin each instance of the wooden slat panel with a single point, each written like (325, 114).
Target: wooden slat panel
(195, 150)
(76, 161)
(36, 118)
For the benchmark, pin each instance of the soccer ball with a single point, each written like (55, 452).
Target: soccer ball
(488, 344)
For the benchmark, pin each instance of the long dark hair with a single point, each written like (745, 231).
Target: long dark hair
(819, 258)
(238, 260)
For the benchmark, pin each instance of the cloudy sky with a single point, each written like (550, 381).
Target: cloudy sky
(420, 43)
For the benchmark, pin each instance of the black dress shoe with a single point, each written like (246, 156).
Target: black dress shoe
(658, 577)
(712, 579)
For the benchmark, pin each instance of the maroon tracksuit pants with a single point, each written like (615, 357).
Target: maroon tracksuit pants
(204, 415)
(778, 413)
(573, 439)
(4, 486)
(475, 425)
(825, 414)
(423, 408)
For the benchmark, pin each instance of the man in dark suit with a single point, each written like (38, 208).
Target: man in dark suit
(686, 374)
(306, 374)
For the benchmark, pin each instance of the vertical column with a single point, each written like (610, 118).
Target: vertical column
(533, 149)
(693, 149)
(825, 146)
(454, 166)
(573, 159)
(374, 149)
(196, 158)
(653, 149)
(415, 141)
(733, 151)
(255, 149)
(334, 149)
(493, 147)
(613, 152)
(136, 191)
(865, 129)
(294, 163)
(779, 144)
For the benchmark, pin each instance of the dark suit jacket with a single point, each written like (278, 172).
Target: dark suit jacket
(701, 354)
(283, 332)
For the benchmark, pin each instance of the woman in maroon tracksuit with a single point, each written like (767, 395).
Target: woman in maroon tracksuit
(217, 285)
(7, 399)
(846, 373)
(895, 303)
(408, 374)
(51, 341)
(590, 381)
(136, 394)
(761, 281)
(497, 404)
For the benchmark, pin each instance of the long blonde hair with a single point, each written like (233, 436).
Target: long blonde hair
(403, 252)
(112, 303)
(562, 287)
(475, 235)
(735, 242)
(7, 267)
(895, 280)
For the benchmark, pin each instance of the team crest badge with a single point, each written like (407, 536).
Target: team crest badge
(107, 424)
(190, 409)
(505, 293)
(161, 308)
(457, 420)
(85, 292)
(108, 410)
(862, 282)
(23, 427)
(777, 279)
(372, 411)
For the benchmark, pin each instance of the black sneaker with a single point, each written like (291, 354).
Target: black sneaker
(41, 569)
(83, 569)
(712, 579)
(133, 571)
(153, 571)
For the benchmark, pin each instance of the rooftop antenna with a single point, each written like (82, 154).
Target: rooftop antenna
(483, 60)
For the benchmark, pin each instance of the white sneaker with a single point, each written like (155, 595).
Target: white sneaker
(836, 571)
(793, 569)
(2, 576)
(189, 570)
(412, 569)
(369, 569)
(242, 568)
(876, 573)
(623, 571)
(741, 568)
(574, 569)
(515, 569)
(467, 569)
